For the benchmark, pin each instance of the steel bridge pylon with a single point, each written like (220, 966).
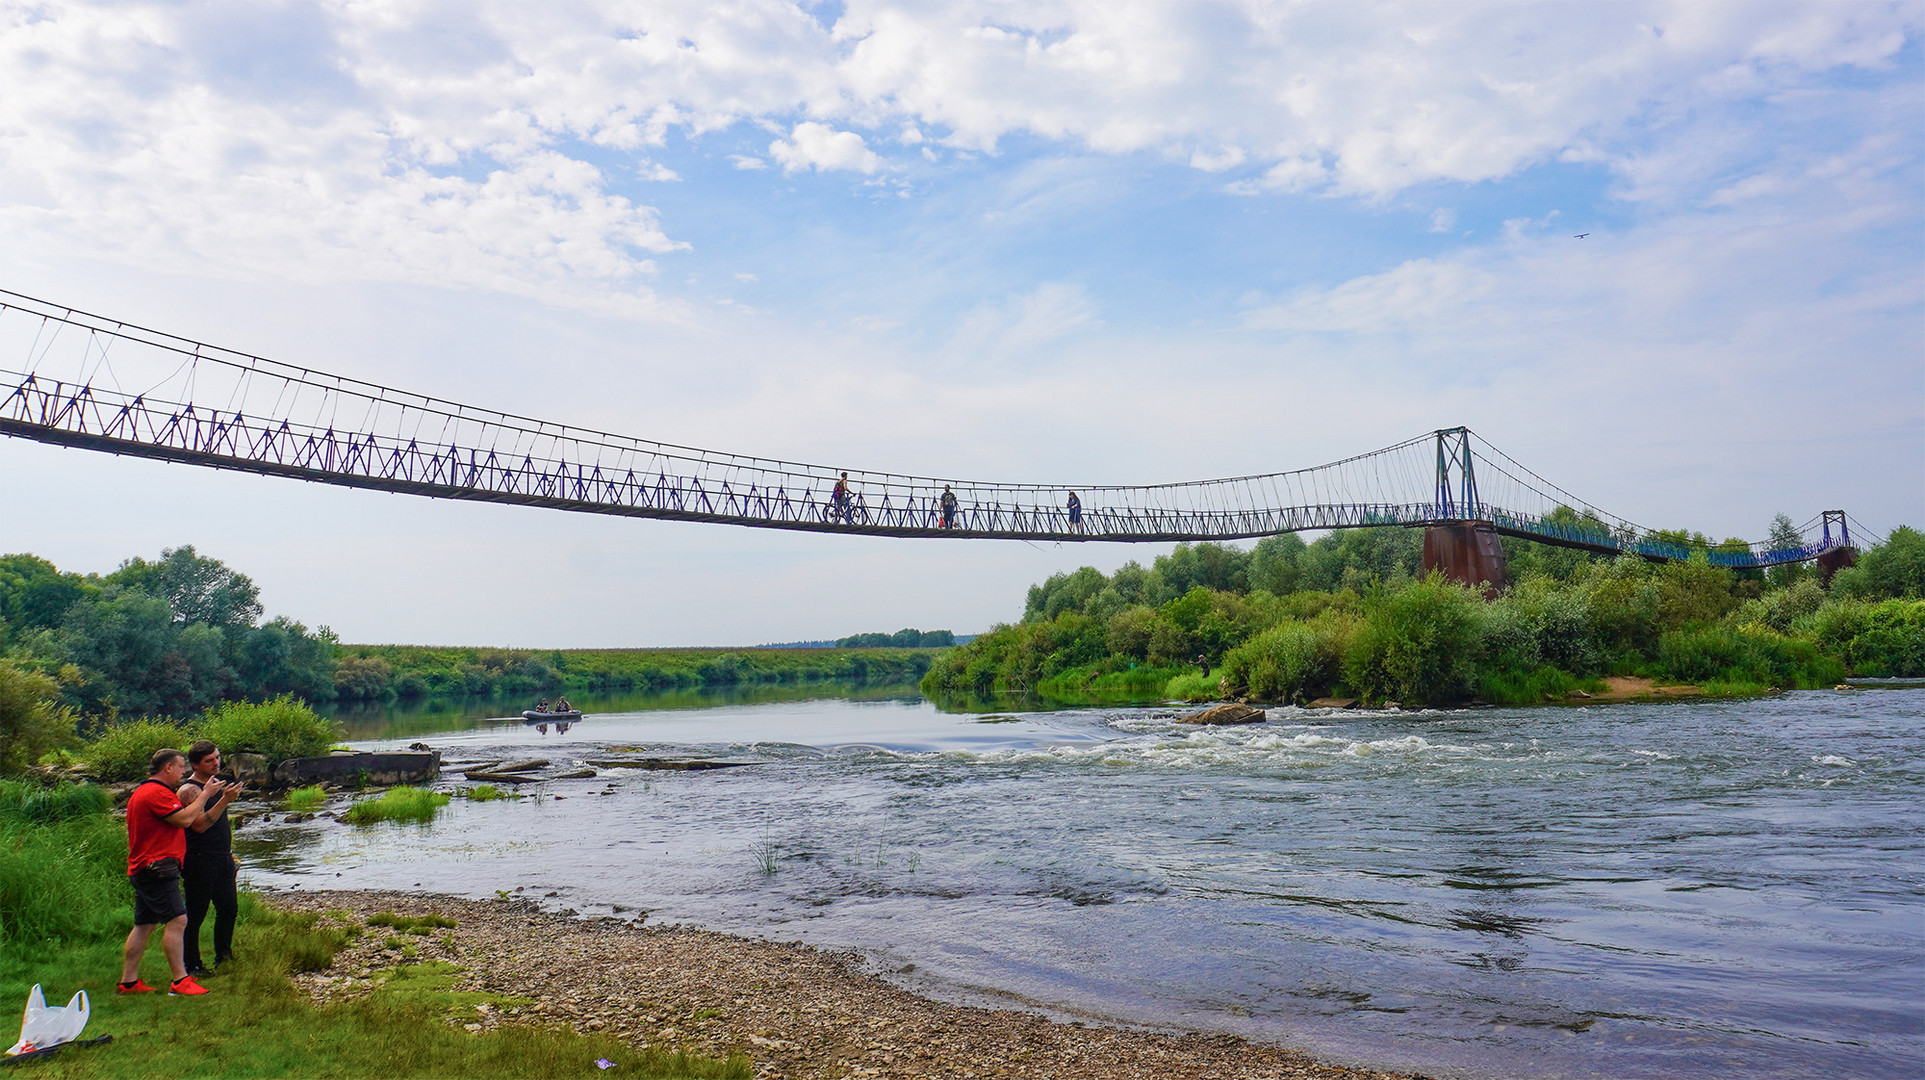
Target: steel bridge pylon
(1464, 546)
(1836, 558)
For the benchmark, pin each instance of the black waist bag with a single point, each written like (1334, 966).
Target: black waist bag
(160, 870)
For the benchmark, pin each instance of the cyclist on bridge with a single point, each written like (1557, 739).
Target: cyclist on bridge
(840, 497)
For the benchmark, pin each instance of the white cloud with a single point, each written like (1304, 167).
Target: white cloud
(823, 148)
(1227, 158)
(1045, 315)
(1443, 219)
(446, 144)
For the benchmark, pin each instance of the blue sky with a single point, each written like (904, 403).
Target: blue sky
(1092, 242)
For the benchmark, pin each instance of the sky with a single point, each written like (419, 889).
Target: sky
(1088, 242)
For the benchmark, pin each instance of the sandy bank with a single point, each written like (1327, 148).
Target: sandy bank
(796, 1011)
(1618, 688)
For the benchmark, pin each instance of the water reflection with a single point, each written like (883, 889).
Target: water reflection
(365, 721)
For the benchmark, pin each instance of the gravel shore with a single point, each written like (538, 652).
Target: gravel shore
(796, 1011)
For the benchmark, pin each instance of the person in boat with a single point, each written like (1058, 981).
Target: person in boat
(562, 705)
(542, 705)
(948, 508)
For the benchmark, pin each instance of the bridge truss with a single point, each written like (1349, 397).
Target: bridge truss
(75, 379)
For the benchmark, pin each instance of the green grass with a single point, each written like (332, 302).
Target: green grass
(412, 924)
(306, 800)
(398, 804)
(1532, 687)
(485, 793)
(254, 1023)
(1194, 686)
(65, 908)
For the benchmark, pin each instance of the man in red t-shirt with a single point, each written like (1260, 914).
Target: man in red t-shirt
(156, 844)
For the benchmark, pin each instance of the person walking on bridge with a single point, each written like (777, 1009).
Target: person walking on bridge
(1075, 513)
(948, 508)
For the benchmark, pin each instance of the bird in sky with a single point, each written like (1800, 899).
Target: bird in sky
(1580, 236)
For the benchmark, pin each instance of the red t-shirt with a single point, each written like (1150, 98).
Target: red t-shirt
(148, 837)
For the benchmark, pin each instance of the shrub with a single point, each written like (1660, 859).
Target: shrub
(123, 751)
(1419, 644)
(1892, 570)
(279, 729)
(363, 678)
(1193, 686)
(64, 881)
(486, 793)
(306, 800)
(1886, 638)
(398, 804)
(1293, 660)
(1893, 639)
(32, 722)
(33, 804)
(1752, 655)
(1781, 608)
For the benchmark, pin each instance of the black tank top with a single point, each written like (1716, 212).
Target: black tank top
(215, 847)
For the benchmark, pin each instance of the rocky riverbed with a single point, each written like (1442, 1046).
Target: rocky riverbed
(796, 1011)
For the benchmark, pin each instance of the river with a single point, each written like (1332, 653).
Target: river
(1675, 890)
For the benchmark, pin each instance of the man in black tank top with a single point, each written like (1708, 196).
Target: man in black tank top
(208, 874)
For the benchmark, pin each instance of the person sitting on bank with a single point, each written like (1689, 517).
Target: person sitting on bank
(210, 872)
(157, 826)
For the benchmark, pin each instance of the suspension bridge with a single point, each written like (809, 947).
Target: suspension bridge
(75, 379)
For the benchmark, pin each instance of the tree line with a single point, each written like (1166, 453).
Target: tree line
(179, 635)
(1352, 615)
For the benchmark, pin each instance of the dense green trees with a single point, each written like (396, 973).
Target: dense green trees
(172, 636)
(1356, 619)
(906, 638)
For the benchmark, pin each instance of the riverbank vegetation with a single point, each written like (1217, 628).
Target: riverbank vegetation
(64, 912)
(179, 635)
(1352, 616)
(408, 672)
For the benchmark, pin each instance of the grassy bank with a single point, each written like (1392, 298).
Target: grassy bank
(64, 910)
(375, 672)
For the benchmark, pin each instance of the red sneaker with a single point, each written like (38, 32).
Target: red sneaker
(185, 986)
(135, 987)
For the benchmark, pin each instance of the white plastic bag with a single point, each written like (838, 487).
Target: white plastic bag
(42, 1027)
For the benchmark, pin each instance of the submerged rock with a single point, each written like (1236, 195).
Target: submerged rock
(359, 769)
(1227, 713)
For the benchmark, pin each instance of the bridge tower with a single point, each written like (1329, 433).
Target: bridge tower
(1461, 541)
(1836, 558)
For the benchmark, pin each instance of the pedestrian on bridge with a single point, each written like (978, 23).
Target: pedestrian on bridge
(948, 508)
(1075, 513)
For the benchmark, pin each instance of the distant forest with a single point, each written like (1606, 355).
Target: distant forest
(181, 634)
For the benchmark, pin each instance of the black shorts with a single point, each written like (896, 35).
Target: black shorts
(156, 899)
